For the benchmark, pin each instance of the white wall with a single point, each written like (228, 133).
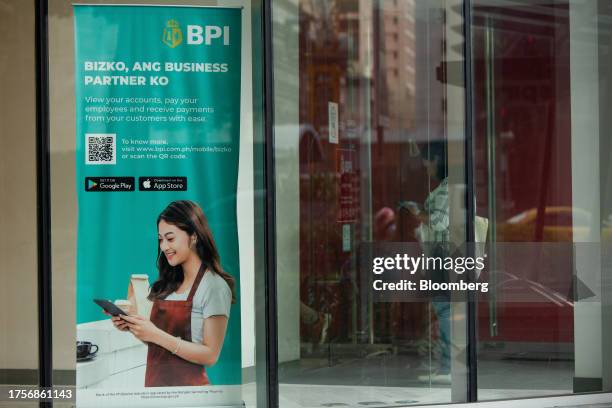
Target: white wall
(455, 122)
(584, 64)
(245, 202)
(286, 134)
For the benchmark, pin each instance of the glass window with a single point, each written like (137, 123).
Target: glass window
(128, 372)
(542, 87)
(359, 138)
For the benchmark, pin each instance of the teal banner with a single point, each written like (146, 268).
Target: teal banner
(158, 122)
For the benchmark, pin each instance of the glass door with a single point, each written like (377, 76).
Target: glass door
(541, 88)
(369, 113)
(369, 125)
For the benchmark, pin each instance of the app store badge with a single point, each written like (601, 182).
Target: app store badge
(162, 183)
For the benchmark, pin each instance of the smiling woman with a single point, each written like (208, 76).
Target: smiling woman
(191, 301)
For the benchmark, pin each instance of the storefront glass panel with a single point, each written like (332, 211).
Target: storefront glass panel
(541, 89)
(370, 138)
(119, 365)
(364, 107)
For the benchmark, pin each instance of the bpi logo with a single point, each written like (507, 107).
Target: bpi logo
(196, 34)
(173, 35)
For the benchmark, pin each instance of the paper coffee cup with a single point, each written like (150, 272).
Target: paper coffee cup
(124, 305)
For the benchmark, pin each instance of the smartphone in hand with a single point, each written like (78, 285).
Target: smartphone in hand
(109, 307)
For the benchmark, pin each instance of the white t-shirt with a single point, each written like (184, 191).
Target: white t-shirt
(212, 298)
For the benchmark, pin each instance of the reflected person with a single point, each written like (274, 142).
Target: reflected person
(433, 233)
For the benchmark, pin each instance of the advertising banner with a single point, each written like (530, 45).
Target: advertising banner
(157, 145)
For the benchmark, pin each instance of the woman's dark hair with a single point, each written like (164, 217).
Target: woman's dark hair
(433, 150)
(187, 216)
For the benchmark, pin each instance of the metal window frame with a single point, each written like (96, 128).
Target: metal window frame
(272, 381)
(43, 197)
(470, 200)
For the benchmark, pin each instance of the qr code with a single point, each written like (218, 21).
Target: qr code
(100, 148)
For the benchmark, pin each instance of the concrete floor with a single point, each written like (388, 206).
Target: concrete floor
(387, 380)
(389, 370)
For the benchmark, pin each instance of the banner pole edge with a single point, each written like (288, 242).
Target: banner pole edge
(157, 5)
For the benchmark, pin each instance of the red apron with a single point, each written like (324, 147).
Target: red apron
(165, 369)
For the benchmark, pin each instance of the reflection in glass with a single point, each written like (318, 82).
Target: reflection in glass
(541, 88)
(363, 153)
(64, 203)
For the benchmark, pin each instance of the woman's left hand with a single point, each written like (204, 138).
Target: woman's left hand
(142, 328)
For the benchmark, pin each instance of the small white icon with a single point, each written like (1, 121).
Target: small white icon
(146, 184)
